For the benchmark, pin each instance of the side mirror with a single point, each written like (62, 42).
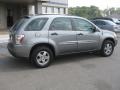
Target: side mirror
(93, 29)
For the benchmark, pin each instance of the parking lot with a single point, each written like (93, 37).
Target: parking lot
(71, 72)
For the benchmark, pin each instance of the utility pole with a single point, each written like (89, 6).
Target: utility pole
(108, 12)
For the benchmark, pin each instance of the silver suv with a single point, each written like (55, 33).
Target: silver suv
(43, 37)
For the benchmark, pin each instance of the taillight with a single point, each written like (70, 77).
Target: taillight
(19, 39)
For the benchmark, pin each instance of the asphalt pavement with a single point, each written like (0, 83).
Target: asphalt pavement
(71, 72)
(4, 38)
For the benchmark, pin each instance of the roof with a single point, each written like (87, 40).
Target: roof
(52, 15)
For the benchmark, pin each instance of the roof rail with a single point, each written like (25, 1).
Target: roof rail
(50, 14)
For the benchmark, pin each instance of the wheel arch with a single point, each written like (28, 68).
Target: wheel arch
(111, 39)
(43, 44)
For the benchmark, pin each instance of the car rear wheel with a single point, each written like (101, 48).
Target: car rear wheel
(107, 48)
(42, 57)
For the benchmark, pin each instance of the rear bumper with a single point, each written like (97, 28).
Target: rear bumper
(18, 50)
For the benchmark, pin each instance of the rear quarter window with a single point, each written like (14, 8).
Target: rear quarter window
(36, 24)
(19, 24)
(99, 22)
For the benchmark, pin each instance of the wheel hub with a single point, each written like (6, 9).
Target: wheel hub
(43, 57)
(108, 49)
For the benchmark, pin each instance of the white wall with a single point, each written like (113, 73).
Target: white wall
(62, 11)
(31, 9)
(57, 3)
(60, 1)
(55, 7)
(39, 8)
(49, 10)
(54, 10)
(44, 10)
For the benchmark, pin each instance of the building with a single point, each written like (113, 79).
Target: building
(12, 10)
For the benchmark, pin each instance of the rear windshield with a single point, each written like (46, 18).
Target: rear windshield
(18, 24)
(99, 22)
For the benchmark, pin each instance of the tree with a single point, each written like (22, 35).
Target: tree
(109, 11)
(118, 10)
(87, 12)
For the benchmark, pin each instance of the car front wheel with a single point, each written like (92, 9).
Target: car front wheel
(107, 48)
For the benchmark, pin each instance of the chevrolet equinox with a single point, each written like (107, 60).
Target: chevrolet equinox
(43, 37)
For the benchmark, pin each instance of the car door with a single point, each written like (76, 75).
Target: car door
(87, 39)
(61, 34)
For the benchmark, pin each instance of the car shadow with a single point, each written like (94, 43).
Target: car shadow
(11, 64)
(73, 58)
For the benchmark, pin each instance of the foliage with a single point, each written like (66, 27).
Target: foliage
(87, 12)
(111, 11)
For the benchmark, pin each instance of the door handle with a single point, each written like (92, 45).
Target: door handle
(80, 34)
(54, 34)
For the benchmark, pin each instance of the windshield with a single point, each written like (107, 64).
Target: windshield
(18, 24)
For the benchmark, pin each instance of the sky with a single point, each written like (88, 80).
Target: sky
(102, 4)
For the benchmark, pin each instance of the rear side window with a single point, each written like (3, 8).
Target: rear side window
(61, 24)
(36, 25)
(96, 22)
(99, 22)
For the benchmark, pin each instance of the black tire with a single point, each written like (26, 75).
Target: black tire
(35, 53)
(103, 50)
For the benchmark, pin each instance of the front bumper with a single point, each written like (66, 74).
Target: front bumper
(18, 50)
